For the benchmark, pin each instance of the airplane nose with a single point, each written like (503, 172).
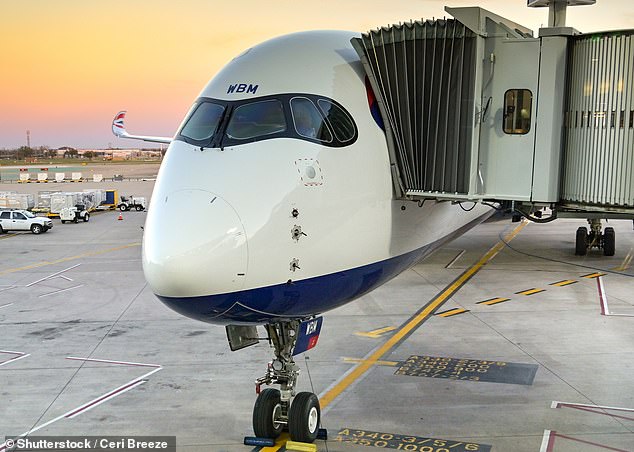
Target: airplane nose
(194, 244)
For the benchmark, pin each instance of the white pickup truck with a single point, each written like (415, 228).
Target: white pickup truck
(23, 220)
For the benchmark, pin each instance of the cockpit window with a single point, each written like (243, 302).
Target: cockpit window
(203, 122)
(338, 119)
(256, 119)
(218, 123)
(308, 121)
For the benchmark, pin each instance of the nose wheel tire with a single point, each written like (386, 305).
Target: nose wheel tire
(609, 241)
(581, 242)
(267, 413)
(304, 417)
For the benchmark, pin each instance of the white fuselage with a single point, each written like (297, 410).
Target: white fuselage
(221, 219)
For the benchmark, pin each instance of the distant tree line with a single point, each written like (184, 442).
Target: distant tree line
(25, 153)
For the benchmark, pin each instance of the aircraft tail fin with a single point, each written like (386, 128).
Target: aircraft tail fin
(118, 128)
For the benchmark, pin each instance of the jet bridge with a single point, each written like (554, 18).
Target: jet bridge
(478, 109)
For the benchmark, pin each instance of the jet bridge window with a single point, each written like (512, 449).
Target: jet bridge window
(518, 105)
(308, 122)
(256, 119)
(203, 121)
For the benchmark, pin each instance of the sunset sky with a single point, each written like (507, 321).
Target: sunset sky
(67, 66)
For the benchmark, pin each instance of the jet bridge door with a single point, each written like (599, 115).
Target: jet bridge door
(508, 114)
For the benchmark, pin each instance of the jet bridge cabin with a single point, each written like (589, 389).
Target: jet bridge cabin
(477, 109)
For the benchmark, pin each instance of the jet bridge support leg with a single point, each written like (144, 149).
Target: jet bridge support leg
(276, 410)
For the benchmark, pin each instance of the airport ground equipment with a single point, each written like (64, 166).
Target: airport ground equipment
(13, 200)
(74, 214)
(132, 202)
(23, 220)
(111, 201)
(477, 109)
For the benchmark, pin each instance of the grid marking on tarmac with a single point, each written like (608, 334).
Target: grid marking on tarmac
(548, 440)
(564, 283)
(532, 291)
(603, 301)
(411, 325)
(66, 259)
(493, 301)
(626, 264)
(374, 334)
(97, 401)
(54, 275)
(593, 275)
(452, 312)
(19, 355)
(378, 363)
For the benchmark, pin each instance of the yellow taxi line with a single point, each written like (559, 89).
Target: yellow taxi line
(415, 321)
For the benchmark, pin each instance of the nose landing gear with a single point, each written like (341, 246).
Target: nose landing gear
(276, 410)
(595, 239)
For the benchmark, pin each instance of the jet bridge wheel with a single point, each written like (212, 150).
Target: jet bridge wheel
(304, 417)
(609, 241)
(267, 414)
(581, 242)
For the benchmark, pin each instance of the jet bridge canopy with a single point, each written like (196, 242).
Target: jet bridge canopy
(476, 108)
(424, 72)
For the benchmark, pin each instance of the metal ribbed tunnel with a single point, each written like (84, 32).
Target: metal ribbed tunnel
(423, 74)
(599, 153)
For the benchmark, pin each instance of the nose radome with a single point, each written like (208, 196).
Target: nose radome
(194, 244)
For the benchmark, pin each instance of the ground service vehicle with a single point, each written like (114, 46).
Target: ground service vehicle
(75, 214)
(23, 220)
(131, 202)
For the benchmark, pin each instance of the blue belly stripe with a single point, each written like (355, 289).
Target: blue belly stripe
(303, 298)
